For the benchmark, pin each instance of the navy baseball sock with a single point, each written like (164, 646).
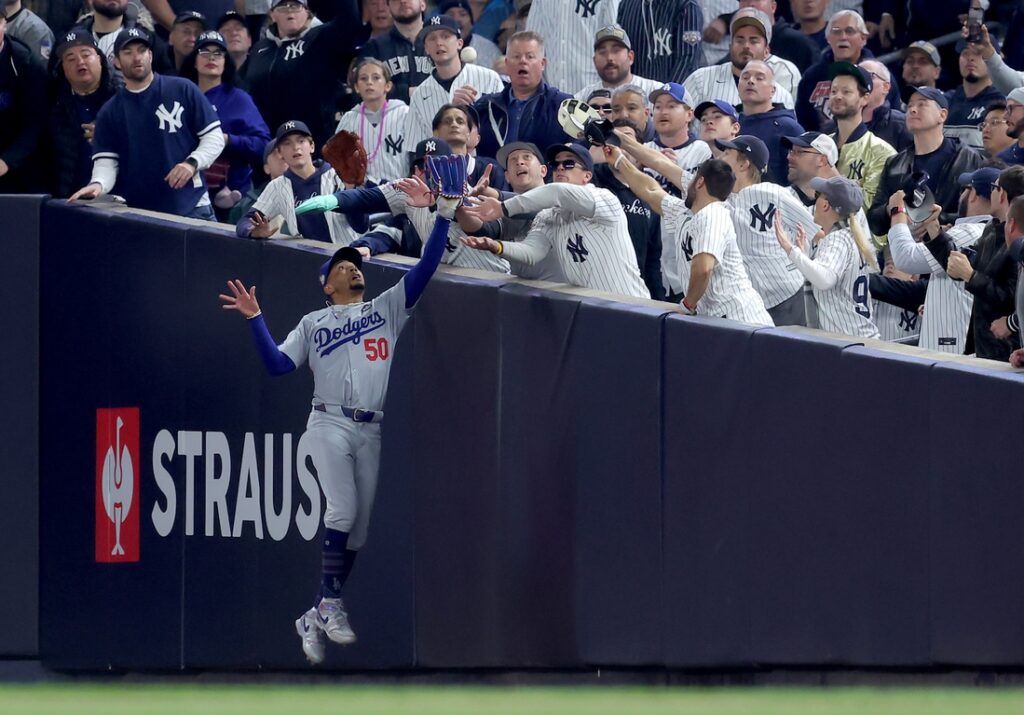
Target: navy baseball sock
(334, 571)
(350, 560)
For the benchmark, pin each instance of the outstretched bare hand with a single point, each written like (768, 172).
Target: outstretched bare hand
(241, 300)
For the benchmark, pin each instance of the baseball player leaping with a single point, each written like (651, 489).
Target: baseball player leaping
(840, 261)
(349, 345)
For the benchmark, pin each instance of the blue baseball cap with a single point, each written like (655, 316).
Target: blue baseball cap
(721, 105)
(212, 37)
(190, 16)
(431, 146)
(581, 152)
(749, 146)
(440, 22)
(675, 90)
(933, 94)
(132, 34)
(980, 180)
(292, 127)
(345, 253)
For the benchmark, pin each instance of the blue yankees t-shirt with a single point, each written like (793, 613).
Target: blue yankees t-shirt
(148, 132)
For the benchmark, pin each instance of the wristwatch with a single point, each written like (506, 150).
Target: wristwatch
(195, 164)
(897, 210)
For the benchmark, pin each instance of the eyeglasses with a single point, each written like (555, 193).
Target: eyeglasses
(795, 150)
(566, 164)
(848, 31)
(996, 187)
(212, 54)
(991, 123)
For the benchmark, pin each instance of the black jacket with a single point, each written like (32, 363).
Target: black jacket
(993, 285)
(407, 61)
(644, 229)
(901, 165)
(891, 125)
(65, 141)
(301, 78)
(22, 104)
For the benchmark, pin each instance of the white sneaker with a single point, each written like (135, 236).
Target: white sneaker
(333, 620)
(312, 638)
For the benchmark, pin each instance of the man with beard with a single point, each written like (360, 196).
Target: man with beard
(921, 67)
(767, 121)
(84, 84)
(941, 158)
(847, 35)
(25, 25)
(673, 114)
(968, 101)
(613, 58)
(862, 155)
(630, 102)
(154, 137)
(401, 48)
(108, 18)
(1014, 154)
(751, 40)
(788, 43)
(886, 123)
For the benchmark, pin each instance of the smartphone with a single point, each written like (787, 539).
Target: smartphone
(975, 17)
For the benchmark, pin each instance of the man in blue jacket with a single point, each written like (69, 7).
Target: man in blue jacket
(527, 109)
(767, 121)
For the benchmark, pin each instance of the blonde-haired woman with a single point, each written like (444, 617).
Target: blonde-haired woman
(840, 260)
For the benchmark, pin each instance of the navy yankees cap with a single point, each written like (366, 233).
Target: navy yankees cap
(190, 16)
(440, 22)
(721, 105)
(980, 180)
(844, 194)
(228, 17)
(431, 146)
(292, 127)
(503, 153)
(933, 94)
(76, 38)
(211, 38)
(132, 34)
(581, 152)
(749, 146)
(346, 253)
(837, 69)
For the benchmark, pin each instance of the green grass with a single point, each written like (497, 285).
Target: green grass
(186, 699)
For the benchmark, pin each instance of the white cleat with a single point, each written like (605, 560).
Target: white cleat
(333, 621)
(311, 635)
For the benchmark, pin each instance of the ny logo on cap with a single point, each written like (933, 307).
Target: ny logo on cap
(70, 36)
(435, 20)
(289, 125)
(431, 146)
(193, 13)
(134, 33)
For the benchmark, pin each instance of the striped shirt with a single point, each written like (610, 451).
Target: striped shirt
(647, 85)
(430, 96)
(754, 210)
(568, 28)
(278, 199)
(666, 37)
(729, 293)
(718, 82)
(383, 137)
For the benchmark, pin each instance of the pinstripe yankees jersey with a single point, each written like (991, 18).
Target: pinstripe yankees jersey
(718, 82)
(947, 303)
(568, 28)
(688, 158)
(894, 322)
(430, 96)
(588, 232)
(647, 85)
(666, 36)
(729, 293)
(456, 253)
(278, 199)
(845, 306)
(754, 210)
(383, 136)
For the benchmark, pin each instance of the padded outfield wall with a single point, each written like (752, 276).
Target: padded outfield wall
(568, 481)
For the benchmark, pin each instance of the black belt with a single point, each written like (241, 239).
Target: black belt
(353, 413)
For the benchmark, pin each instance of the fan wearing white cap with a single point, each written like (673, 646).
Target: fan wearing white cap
(751, 40)
(1014, 154)
(838, 264)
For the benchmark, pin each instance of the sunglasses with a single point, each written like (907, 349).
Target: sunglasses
(603, 109)
(566, 164)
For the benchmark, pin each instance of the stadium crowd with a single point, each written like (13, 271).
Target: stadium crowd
(866, 155)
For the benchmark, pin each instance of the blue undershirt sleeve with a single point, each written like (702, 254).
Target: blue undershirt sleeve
(416, 279)
(277, 362)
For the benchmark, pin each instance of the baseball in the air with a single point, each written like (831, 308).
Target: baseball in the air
(468, 55)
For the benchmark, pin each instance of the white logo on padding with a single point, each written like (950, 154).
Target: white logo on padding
(118, 485)
(170, 120)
